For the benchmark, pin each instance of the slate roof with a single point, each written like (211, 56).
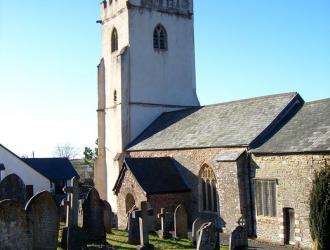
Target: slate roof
(307, 131)
(52, 168)
(229, 156)
(154, 175)
(230, 124)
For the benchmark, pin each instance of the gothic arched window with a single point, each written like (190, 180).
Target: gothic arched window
(160, 38)
(207, 189)
(114, 40)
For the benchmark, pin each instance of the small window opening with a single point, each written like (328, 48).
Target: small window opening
(160, 38)
(114, 40)
(115, 96)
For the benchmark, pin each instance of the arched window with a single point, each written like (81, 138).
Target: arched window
(160, 38)
(207, 189)
(114, 40)
(129, 202)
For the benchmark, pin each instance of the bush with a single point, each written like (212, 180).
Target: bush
(319, 218)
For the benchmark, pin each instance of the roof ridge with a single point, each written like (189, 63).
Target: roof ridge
(318, 101)
(252, 98)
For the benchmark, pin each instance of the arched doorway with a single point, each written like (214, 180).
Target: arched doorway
(129, 202)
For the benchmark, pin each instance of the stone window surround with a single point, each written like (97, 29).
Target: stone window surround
(160, 38)
(211, 179)
(114, 40)
(272, 214)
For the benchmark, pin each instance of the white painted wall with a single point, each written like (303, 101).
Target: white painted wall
(147, 82)
(14, 165)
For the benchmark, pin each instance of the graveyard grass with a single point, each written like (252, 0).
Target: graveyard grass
(118, 240)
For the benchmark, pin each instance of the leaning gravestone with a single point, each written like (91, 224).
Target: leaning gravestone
(12, 187)
(180, 222)
(133, 227)
(208, 237)
(15, 226)
(93, 224)
(107, 217)
(44, 214)
(195, 228)
(238, 239)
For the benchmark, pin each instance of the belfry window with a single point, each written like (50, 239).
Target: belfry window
(114, 40)
(207, 189)
(160, 38)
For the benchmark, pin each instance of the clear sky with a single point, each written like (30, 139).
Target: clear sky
(244, 48)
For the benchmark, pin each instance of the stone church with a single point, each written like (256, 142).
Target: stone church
(253, 159)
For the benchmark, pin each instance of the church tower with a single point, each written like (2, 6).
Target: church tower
(147, 68)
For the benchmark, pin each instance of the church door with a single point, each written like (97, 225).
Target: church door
(289, 226)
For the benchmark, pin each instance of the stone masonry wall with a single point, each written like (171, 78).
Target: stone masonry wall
(169, 202)
(129, 186)
(229, 194)
(295, 174)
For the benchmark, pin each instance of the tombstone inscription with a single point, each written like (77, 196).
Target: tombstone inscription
(44, 214)
(15, 226)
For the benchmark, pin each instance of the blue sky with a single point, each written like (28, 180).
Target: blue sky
(244, 48)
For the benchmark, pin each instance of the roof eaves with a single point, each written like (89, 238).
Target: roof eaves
(9, 151)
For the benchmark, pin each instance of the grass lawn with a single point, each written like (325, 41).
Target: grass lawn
(118, 240)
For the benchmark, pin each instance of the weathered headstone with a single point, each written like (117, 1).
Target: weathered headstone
(13, 187)
(208, 237)
(180, 222)
(107, 217)
(44, 214)
(93, 210)
(73, 237)
(195, 227)
(164, 233)
(15, 226)
(145, 215)
(80, 213)
(238, 239)
(133, 227)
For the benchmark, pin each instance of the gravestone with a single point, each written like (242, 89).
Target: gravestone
(107, 217)
(180, 222)
(145, 215)
(80, 213)
(238, 239)
(73, 237)
(164, 233)
(133, 227)
(93, 210)
(13, 187)
(15, 226)
(208, 237)
(44, 214)
(195, 227)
